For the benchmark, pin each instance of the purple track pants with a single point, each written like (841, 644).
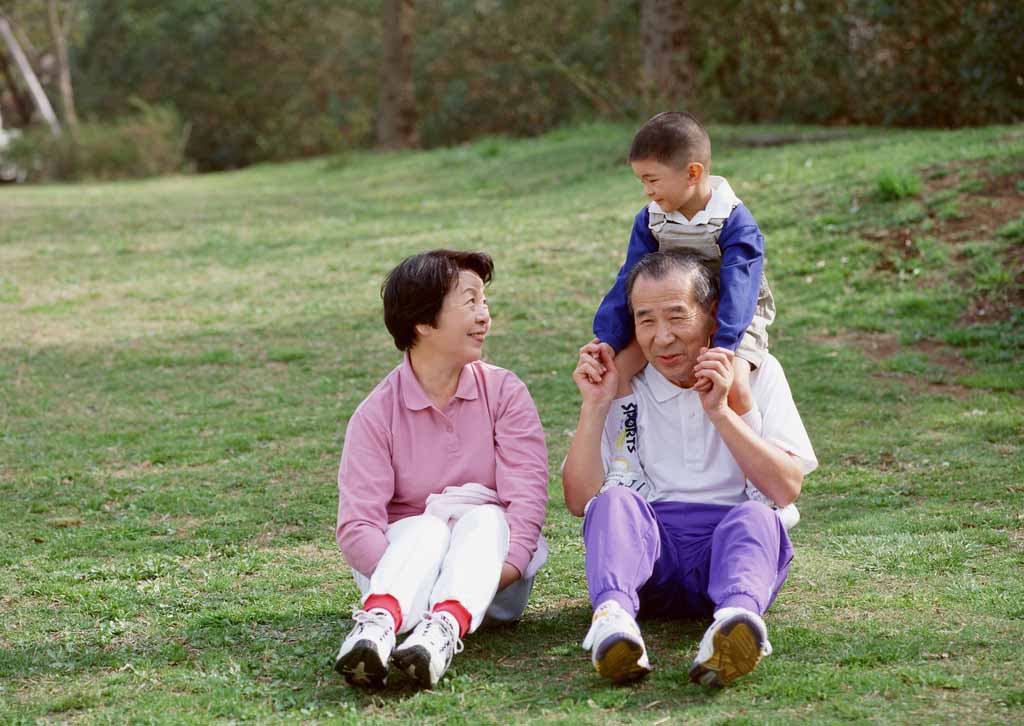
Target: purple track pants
(682, 560)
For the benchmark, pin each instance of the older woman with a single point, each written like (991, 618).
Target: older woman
(443, 480)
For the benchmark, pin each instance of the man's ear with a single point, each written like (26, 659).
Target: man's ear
(694, 172)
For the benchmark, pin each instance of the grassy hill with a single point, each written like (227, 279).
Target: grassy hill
(178, 359)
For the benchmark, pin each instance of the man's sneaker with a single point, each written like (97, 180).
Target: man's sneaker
(731, 647)
(428, 651)
(789, 514)
(615, 645)
(363, 658)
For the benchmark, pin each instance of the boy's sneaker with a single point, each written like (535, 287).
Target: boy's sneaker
(731, 647)
(363, 658)
(615, 645)
(428, 651)
(789, 514)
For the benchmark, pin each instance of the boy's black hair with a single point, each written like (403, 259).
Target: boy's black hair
(414, 291)
(673, 138)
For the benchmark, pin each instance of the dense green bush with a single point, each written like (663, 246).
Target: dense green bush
(265, 79)
(147, 143)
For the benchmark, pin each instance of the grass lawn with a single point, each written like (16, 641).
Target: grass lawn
(178, 359)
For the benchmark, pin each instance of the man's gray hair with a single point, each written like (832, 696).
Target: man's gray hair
(656, 265)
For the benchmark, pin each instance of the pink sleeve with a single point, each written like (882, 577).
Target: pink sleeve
(366, 483)
(522, 469)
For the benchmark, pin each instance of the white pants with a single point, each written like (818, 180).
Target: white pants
(427, 562)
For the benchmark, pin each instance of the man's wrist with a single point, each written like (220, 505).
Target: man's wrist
(595, 409)
(721, 414)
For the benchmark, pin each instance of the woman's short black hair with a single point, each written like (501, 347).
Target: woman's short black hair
(414, 291)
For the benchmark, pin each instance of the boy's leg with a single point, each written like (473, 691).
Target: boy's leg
(628, 362)
(623, 544)
(749, 560)
(393, 598)
(466, 585)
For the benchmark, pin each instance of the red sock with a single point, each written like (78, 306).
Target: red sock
(385, 602)
(455, 609)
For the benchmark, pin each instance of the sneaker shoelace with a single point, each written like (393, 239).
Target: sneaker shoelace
(444, 631)
(363, 619)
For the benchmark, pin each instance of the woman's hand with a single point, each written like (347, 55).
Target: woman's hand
(509, 574)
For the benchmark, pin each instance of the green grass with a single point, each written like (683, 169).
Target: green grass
(178, 358)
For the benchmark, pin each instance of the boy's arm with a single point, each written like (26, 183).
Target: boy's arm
(521, 472)
(613, 323)
(742, 265)
(366, 483)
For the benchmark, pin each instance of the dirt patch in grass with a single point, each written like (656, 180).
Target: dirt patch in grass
(946, 363)
(963, 205)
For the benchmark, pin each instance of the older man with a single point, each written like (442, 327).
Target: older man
(681, 539)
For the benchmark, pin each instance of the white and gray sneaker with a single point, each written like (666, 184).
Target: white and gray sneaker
(428, 651)
(363, 658)
(616, 648)
(789, 514)
(731, 647)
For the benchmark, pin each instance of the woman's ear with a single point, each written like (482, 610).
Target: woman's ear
(423, 330)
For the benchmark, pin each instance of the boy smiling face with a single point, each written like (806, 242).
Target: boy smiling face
(674, 189)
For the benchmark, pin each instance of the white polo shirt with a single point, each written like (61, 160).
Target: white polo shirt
(682, 453)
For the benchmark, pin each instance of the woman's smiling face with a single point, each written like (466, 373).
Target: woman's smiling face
(463, 322)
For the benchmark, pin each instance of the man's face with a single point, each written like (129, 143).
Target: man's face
(670, 327)
(671, 188)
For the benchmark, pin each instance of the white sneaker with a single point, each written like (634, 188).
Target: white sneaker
(789, 514)
(621, 475)
(615, 645)
(731, 647)
(363, 658)
(428, 651)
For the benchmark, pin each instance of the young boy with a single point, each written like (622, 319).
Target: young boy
(699, 213)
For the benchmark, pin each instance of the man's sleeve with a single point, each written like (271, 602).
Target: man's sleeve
(613, 323)
(521, 474)
(366, 483)
(781, 422)
(742, 247)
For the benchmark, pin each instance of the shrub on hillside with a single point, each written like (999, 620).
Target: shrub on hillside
(147, 143)
(893, 184)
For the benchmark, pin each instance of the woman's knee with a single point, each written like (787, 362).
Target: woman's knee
(424, 527)
(486, 516)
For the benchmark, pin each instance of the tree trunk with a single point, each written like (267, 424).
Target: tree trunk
(59, 38)
(22, 104)
(669, 76)
(38, 95)
(396, 119)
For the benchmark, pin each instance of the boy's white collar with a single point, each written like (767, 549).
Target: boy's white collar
(723, 201)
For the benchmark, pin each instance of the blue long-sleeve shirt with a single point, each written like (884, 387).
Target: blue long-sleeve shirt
(742, 247)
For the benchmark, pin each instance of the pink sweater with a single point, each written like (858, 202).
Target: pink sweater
(399, 449)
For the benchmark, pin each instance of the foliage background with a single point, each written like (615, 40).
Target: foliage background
(265, 80)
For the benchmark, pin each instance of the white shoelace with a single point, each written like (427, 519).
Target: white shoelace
(364, 618)
(444, 631)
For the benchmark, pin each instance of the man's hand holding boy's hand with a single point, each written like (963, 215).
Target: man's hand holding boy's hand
(592, 349)
(714, 370)
(595, 375)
